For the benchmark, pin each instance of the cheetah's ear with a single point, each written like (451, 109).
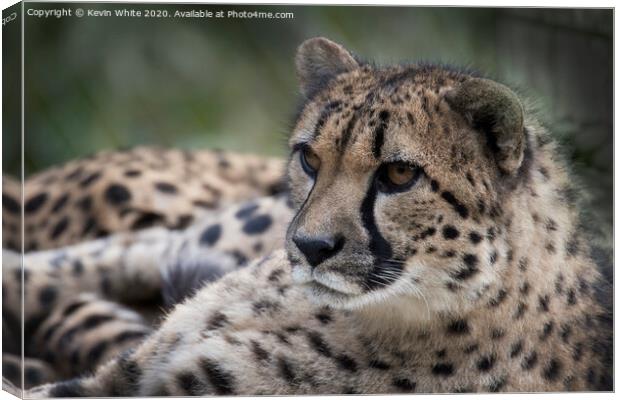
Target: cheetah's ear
(497, 111)
(318, 60)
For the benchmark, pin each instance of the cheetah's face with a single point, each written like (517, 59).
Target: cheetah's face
(396, 192)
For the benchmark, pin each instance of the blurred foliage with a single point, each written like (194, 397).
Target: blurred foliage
(97, 83)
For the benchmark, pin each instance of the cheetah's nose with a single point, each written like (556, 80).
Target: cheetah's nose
(319, 248)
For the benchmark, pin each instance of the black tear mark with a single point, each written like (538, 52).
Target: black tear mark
(378, 246)
(379, 138)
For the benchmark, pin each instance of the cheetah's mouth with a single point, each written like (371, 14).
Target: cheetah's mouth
(325, 284)
(320, 290)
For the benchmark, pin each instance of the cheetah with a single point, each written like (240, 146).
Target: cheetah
(435, 248)
(80, 306)
(122, 191)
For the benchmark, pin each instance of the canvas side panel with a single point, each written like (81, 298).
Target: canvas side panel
(12, 283)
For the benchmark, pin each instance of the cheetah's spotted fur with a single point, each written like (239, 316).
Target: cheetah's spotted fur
(474, 276)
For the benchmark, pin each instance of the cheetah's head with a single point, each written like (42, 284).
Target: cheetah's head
(398, 177)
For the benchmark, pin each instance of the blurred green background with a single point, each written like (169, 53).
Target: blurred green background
(95, 83)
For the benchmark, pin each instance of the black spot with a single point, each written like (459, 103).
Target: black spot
(474, 237)
(246, 211)
(90, 179)
(96, 352)
(117, 194)
(578, 351)
(257, 224)
(73, 307)
(443, 369)
(457, 205)
(78, 268)
(378, 364)
(222, 381)
(260, 353)
(493, 257)
(85, 203)
(10, 204)
(499, 299)
(434, 185)
(147, 220)
(471, 262)
(262, 306)
(471, 348)
(404, 384)
(89, 225)
(35, 203)
(565, 332)
(166, 187)
(486, 362)
(318, 344)
(524, 289)
(71, 388)
(211, 235)
(239, 257)
(497, 384)
(458, 327)
(547, 329)
(346, 362)
(516, 349)
(216, 321)
(286, 370)
(132, 173)
(521, 308)
(572, 246)
(570, 297)
(33, 376)
(529, 361)
(128, 335)
(552, 370)
(543, 303)
(189, 383)
(450, 232)
(491, 234)
(497, 333)
(324, 317)
(47, 296)
(275, 275)
(60, 203)
(59, 228)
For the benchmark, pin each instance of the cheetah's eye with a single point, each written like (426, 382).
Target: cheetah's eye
(310, 162)
(397, 176)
